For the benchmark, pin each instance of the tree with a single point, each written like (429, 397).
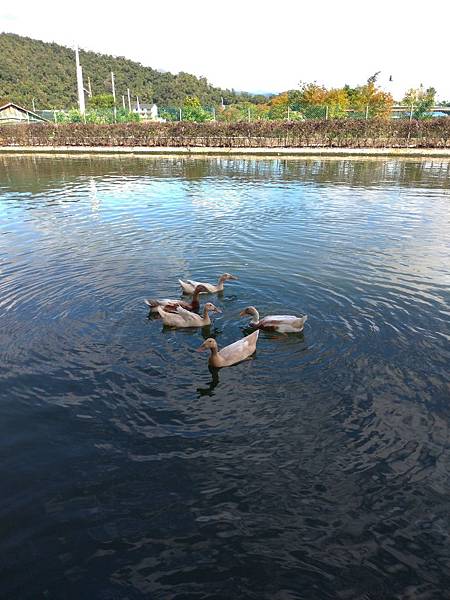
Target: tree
(312, 94)
(34, 70)
(230, 114)
(193, 110)
(337, 102)
(278, 106)
(421, 101)
(309, 100)
(101, 101)
(372, 100)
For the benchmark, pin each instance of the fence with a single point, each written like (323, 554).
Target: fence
(234, 113)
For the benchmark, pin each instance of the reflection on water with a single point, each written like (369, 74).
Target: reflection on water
(317, 469)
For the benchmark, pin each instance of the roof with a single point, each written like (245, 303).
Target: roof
(25, 110)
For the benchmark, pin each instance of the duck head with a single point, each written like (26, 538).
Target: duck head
(227, 277)
(209, 344)
(250, 311)
(209, 307)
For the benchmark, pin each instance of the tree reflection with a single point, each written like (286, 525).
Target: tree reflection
(34, 174)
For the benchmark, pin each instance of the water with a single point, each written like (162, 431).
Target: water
(319, 469)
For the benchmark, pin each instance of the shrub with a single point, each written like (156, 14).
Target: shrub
(339, 133)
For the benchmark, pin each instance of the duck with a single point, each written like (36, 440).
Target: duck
(185, 318)
(172, 305)
(189, 285)
(232, 354)
(280, 323)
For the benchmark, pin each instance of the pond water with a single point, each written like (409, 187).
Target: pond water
(318, 469)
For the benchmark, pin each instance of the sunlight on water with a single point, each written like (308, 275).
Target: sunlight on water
(318, 469)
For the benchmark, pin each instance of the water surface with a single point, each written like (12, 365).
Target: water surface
(319, 469)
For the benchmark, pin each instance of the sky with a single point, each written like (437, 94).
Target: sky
(254, 46)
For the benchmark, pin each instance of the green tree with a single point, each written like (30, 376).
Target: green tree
(278, 107)
(420, 100)
(337, 102)
(194, 111)
(101, 101)
(35, 70)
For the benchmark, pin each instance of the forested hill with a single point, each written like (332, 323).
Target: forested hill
(46, 72)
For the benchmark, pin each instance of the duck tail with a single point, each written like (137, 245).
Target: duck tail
(184, 286)
(300, 322)
(152, 303)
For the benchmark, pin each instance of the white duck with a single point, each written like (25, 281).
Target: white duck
(281, 323)
(232, 354)
(186, 318)
(189, 285)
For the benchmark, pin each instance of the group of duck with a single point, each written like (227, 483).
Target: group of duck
(180, 313)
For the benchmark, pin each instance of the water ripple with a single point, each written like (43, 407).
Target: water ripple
(318, 469)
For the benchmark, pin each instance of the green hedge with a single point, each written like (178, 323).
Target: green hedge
(338, 133)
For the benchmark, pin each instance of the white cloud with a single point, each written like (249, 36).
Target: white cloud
(256, 46)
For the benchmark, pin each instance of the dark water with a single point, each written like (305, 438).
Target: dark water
(320, 469)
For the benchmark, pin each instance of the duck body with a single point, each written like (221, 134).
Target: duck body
(280, 323)
(185, 318)
(190, 285)
(232, 354)
(172, 305)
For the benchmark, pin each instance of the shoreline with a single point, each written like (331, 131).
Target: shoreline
(214, 151)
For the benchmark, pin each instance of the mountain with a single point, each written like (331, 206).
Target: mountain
(46, 72)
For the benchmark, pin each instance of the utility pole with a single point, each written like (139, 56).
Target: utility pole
(129, 100)
(113, 87)
(89, 88)
(123, 102)
(34, 107)
(80, 87)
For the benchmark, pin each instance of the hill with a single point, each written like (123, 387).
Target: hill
(46, 72)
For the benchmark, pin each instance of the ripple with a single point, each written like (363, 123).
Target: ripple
(318, 468)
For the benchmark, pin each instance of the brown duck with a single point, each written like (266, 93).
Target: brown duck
(172, 305)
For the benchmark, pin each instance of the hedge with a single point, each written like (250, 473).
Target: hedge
(337, 133)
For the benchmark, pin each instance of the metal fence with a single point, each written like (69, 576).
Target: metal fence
(233, 113)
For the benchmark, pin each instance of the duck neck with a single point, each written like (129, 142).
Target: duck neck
(214, 357)
(206, 319)
(195, 303)
(220, 283)
(255, 316)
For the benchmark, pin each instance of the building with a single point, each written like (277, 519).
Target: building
(11, 113)
(147, 111)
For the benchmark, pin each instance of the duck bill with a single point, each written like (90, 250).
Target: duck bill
(234, 277)
(201, 349)
(242, 313)
(217, 310)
